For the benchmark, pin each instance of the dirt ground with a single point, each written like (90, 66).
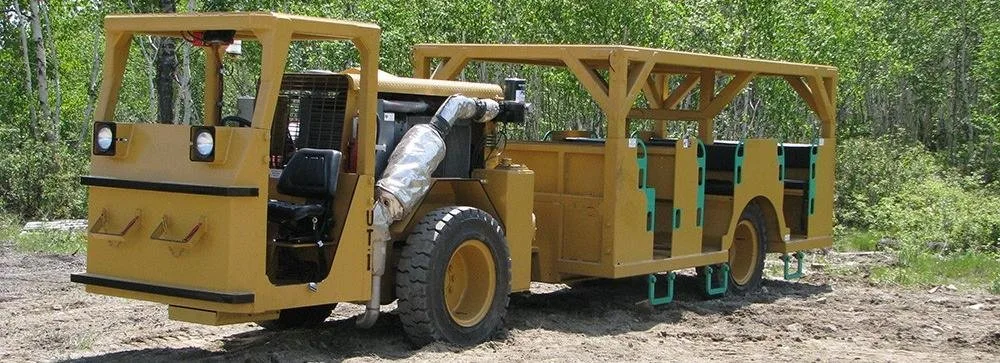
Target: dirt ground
(820, 318)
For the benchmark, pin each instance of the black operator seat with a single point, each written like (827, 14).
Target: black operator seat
(310, 174)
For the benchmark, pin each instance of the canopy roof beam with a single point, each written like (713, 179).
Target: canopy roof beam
(648, 71)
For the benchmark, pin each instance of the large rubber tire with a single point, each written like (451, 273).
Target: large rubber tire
(746, 256)
(303, 317)
(454, 244)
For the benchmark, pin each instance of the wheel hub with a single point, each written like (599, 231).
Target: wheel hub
(469, 283)
(744, 252)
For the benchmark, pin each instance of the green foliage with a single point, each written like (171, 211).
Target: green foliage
(904, 191)
(41, 180)
(872, 169)
(945, 213)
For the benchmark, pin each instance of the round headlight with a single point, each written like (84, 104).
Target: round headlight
(104, 138)
(204, 143)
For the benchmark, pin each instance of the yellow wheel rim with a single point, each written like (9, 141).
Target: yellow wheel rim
(744, 253)
(469, 283)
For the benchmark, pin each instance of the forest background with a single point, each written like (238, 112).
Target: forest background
(918, 105)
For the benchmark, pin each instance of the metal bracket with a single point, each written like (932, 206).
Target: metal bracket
(800, 271)
(196, 232)
(653, 300)
(724, 286)
(97, 229)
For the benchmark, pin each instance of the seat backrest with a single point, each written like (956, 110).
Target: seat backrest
(311, 173)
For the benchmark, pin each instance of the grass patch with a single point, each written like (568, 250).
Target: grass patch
(51, 241)
(971, 270)
(856, 241)
(10, 226)
(45, 241)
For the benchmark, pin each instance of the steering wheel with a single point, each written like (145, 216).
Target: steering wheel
(240, 122)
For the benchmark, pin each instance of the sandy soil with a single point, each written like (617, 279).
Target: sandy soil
(820, 318)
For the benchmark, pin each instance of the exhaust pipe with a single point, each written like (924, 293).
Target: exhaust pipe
(407, 178)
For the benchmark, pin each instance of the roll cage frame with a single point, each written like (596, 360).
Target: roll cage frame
(275, 32)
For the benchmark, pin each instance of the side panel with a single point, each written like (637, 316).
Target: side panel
(572, 207)
(506, 187)
(758, 178)
(821, 221)
(687, 232)
(211, 243)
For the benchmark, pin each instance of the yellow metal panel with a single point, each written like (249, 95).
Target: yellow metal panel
(163, 299)
(581, 223)
(668, 264)
(506, 186)
(581, 173)
(208, 317)
(274, 56)
(821, 222)
(213, 86)
(801, 244)
(548, 235)
(718, 218)
(687, 239)
(662, 171)
(760, 184)
(161, 153)
(544, 164)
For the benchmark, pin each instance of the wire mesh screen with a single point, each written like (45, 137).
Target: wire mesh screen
(316, 105)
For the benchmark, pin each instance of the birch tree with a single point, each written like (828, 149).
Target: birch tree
(57, 90)
(41, 72)
(28, 83)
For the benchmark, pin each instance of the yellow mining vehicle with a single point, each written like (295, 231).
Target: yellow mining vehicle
(360, 186)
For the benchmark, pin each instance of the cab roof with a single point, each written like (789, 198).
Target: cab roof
(247, 25)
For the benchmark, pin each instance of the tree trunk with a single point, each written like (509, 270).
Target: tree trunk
(42, 73)
(28, 83)
(166, 67)
(185, 79)
(149, 52)
(57, 107)
(95, 77)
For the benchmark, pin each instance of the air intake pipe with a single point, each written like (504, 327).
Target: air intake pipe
(407, 178)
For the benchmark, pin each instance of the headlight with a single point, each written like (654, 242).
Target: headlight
(202, 143)
(104, 138)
